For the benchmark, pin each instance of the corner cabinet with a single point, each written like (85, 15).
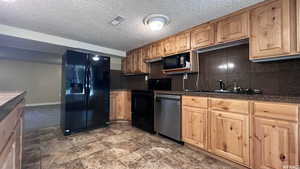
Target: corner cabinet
(134, 62)
(232, 28)
(203, 36)
(272, 29)
(276, 139)
(120, 105)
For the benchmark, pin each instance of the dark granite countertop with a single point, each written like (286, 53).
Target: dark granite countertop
(8, 101)
(255, 97)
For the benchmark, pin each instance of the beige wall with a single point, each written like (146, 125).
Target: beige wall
(41, 81)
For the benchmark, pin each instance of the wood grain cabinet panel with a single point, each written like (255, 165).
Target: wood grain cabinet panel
(194, 126)
(203, 36)
(275, 144)
(120, 105)
(271, 29)
(194, 101)
(230, 136)
(235, 27)
(183, 42)
(170, 45)
(229, 105)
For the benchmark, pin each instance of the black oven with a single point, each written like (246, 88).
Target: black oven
(177, 61)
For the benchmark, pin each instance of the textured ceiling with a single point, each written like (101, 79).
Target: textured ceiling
(88, 20)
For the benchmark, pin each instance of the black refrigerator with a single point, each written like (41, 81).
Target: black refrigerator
(85, 92)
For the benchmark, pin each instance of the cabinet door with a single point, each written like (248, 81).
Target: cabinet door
(194, 126)
(160, 49)
(233, 28)
(124, 65)
(230, 136)
(183, 42)
(170, 45)
(203, 36)
(113, 106)
(137, 61)
(275, 144)
(144, 55)
(270, 30)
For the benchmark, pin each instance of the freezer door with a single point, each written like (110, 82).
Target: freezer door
(75, 94)
(98, 92)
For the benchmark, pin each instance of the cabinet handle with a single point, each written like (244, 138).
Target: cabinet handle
(282, 157)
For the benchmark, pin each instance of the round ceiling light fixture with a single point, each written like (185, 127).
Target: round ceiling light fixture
(156, 21)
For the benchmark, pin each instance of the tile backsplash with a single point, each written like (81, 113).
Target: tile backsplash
(233, 65)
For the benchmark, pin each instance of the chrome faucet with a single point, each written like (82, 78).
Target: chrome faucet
(222, 85)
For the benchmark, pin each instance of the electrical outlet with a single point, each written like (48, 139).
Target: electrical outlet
(185, 76)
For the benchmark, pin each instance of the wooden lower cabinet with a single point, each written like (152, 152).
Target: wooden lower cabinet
(120, 105)
(11, 139)
(194, 131)
(275, 144)
(230, 136)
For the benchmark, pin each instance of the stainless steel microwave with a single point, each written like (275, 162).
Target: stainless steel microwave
(177, 61)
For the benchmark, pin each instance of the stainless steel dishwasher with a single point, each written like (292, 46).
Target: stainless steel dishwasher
(168, 115)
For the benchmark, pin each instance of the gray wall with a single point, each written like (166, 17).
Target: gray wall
(41, 81)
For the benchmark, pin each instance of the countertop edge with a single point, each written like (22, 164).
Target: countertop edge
(7, 107)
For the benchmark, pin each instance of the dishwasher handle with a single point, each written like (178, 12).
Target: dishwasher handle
(172, 97)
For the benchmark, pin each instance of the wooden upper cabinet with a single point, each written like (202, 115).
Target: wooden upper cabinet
(156, 50)
(203, 36)
(194, 126)
(146, 52)
(232, 28)
(183, 42)
(271, 29)
(124, 66)
(230, 136)
(170, 45)
(275, 144)
(298, 26)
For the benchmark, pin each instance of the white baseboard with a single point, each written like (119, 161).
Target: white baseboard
(42, 104)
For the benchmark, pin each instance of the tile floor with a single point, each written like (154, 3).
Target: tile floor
(119, 146)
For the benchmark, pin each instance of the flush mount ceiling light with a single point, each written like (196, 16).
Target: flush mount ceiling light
(156, 21)
(9, 1)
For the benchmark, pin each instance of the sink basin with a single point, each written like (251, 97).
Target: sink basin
(223, 91)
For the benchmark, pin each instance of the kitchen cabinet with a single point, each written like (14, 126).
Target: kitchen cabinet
(170, 45)
(11, 139)
(194, 121)
(272, 30)
(183, 42)
(157, 50)
(194, 129)
(276, 139)
(230, 136)
(203, 36)
(120, 105)
(232, 28)
(230, 131)
(134, 62)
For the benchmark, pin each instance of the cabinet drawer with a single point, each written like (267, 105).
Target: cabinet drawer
(195, 101)
(277, 110)
(238, 106)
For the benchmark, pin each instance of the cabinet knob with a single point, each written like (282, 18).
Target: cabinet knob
(282, 157)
